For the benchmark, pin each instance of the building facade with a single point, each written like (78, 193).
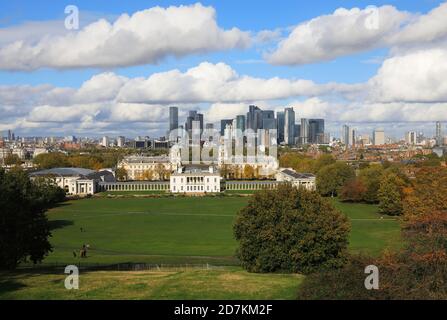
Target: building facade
(299, 180)
(195, 179)
(146, 168)
(75, 181)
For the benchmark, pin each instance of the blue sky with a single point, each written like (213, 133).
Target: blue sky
(248, 15)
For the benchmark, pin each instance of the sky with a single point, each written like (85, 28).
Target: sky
(379, 64)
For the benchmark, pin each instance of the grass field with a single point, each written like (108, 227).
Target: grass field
(229, 283)
(180, 230)
(170, 230)
(151, 230)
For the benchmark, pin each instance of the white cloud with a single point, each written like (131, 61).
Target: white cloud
(347, 32)
(424, 28)
(147, 36)
(408, 87)
(418, 76)
(211, 83)
(342, 33)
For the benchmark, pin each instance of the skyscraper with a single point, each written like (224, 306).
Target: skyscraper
(352, 137)
(289, 126)
(280, 122)
(240, 123)
(254, 118)
(199, 118)
(345, 135)
(304, 132)
(173, 118)
(316, 130)
(120, 141)
(411, 137)
(378, 137)
(439, 138)
(223, 125)
(191, 116)
(268, 120)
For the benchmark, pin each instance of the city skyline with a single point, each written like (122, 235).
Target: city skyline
(366, 78)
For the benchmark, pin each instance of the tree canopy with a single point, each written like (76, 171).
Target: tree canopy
(292, 230)
(332, 177)
(24, 226)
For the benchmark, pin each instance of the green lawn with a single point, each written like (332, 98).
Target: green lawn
(228, 283)
(170, 230)
(180, 230)
(166, 230)
(129, 193)
(371, 233)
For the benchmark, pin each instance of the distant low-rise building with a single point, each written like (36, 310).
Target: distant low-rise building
(299, 180)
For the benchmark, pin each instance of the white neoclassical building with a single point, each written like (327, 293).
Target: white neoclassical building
(137, 166)
(195, 179)
(304, 180)
(75, 181)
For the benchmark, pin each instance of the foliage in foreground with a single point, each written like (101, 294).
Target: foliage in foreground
(418, 272)
(291, 230)
(24, 226)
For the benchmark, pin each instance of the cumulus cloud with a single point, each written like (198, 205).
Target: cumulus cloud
(423, 28)
(417, 76)
(347, 32)
(341, 33)
(408, 87)
(147, 36)
(211, 83)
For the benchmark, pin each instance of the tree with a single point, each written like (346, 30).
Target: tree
(290, 229)
(296, 161)
(85, 161)
(390, 195)
(331, 178)
(12, 160)
(148, 175)
(427, 192)
(322, 161)
(24, 226)
(418, 271)
(48, 193)
(161, 171)
(121, 174)
(51, 160)
(353, 191)
(249, 172)
(371, 177)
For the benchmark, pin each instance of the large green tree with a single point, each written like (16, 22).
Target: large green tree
(371, 177)
(331, 178)
(24, 227)
(390, 195)
(292, 230)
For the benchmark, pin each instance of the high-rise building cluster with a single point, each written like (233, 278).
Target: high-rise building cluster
(288, 132)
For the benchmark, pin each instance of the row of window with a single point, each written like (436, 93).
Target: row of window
(194, 180)
(194, 188)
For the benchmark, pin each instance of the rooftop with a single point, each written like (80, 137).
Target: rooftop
(66, 172)
(298, 175)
